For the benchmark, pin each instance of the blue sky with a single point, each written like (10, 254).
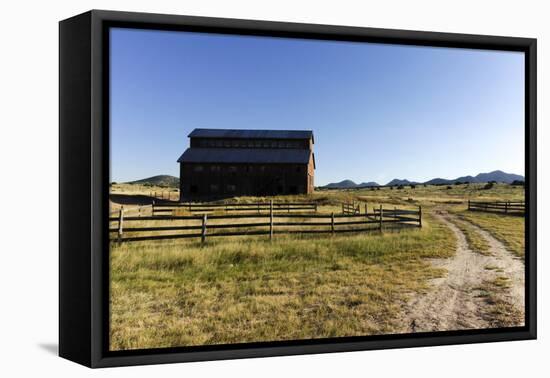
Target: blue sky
(377, 111)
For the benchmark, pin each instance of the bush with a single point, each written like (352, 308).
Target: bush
(449, 187)
(400, 187)
(518, 183)
(458, 183)
(489, 185)
(413, 186)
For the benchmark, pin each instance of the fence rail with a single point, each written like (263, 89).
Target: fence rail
(258, 207)
(204, 226)
(506, 207)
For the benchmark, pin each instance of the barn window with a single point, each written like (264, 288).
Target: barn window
(219, 143)
(194, 189)
(198, 168)
(281, 144)
(232, 168)
(293, 189)
(215, 168)
(298, 169)
(231, 188)
(214, 188)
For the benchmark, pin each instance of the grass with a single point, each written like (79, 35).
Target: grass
(247, 289)
(500, 312)
(509, 229)
(177, 293)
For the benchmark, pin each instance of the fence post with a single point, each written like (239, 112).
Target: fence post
(381, 215)
(468, 205)
(258, 208)
(270, 219)
(153, 208)
(420, 216)
(120, 221)
(332, 222)
(342, 208)
(506, 207)
(315, 204)
(203, 233)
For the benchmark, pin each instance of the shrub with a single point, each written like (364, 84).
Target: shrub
(458, 183)
(400, 187)
(489, 185)
(449, 187)
(413, 186)
(518, 183)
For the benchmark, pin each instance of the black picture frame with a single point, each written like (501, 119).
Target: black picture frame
(84, 182)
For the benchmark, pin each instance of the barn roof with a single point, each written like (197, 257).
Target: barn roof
(256, 134)
(245, 155)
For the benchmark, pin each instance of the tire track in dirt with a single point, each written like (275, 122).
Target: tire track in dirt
(454, 302)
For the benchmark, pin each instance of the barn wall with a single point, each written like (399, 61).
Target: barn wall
(243, 179)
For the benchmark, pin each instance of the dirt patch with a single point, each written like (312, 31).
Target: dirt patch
(459, 301)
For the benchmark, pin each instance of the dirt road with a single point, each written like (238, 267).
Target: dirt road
(464, 298)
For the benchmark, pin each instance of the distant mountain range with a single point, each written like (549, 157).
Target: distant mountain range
(346, 184)
(497, 176)
(160, 180)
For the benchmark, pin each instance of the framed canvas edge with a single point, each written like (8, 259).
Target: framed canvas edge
(98, 134)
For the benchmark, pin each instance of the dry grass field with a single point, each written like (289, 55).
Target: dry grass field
(249, 289)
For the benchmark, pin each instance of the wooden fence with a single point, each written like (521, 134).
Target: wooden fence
(168, 208)
(169, 195)
(205, 226)
(351, 208)
(506, 207)
(135, 211)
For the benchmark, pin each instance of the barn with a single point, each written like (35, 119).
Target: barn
(232, 162)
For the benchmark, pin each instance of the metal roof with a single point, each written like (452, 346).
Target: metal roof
(245, 155)
(257, 134)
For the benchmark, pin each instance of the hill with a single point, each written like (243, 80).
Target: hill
(367, 184)
(400, 182)
(498, 176)
(341, 185)
(160, 180)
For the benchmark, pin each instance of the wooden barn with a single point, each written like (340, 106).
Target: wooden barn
(228, 162)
